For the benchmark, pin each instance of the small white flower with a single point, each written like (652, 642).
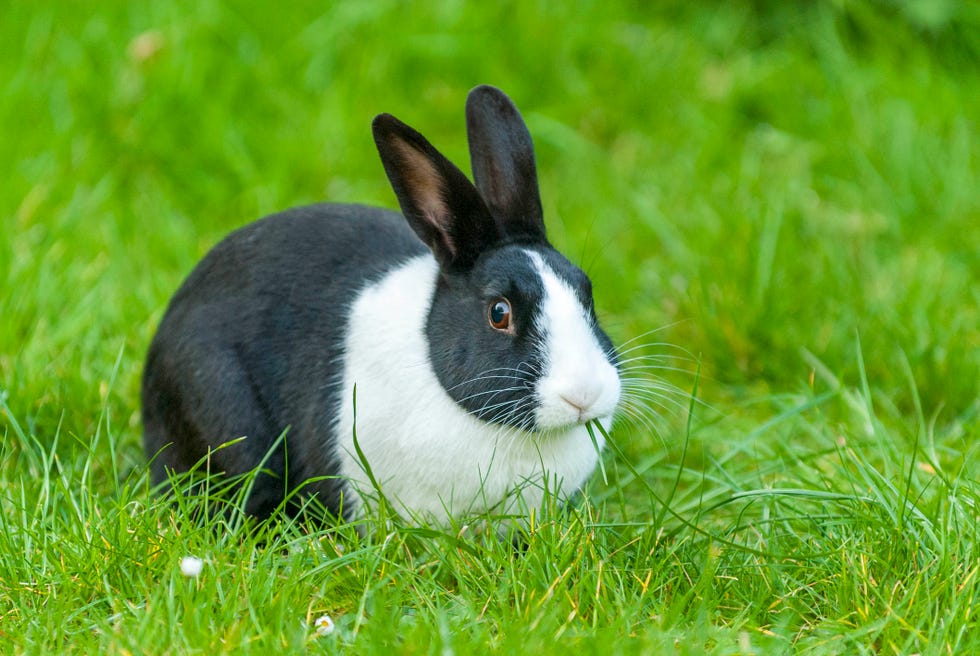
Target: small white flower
(190, 566)
(324, 625)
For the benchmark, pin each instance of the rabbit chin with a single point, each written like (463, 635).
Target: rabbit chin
(434, 460)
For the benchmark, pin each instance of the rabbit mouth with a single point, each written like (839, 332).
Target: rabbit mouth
(565, 401)
(564, 415)
(562, 412)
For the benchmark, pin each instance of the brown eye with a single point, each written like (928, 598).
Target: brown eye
(499, 314)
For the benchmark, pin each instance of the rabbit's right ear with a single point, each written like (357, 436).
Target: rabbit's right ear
(502, 156)
(440, 203)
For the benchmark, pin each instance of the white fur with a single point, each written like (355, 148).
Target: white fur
(429, 455)
(578, 383)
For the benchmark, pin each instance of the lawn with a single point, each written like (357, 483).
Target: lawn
(778, 206)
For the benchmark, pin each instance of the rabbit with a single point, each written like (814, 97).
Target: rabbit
(447, 354)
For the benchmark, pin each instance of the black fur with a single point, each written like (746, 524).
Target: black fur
(441, 205)
(252, 344)
(489, 373)
(502, 157)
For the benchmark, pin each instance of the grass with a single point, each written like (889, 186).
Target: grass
(787, 193)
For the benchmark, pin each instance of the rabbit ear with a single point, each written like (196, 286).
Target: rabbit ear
(502, 157)
(441, 205)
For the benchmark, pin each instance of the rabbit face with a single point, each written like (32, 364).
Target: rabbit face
(548, 368)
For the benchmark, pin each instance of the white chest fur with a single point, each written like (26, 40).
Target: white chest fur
(429, 456)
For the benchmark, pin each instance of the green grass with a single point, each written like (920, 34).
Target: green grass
(787, 193)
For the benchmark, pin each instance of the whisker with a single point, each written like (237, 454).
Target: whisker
(656, 367)
(517, 409)
(652, 384)
(642, 421)
(660, 357)
(521, 372)
(502, 390)
(663, 402)
(645, 382)
(482, 377)
(687, 355)
(487, 408)
(650, 332)
(652, 388)
(666, 404)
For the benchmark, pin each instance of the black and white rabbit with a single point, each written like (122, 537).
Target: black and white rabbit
(472, 343)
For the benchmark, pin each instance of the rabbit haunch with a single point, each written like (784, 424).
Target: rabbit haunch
(417, 457)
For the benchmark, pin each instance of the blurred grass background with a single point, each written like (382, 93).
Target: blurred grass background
(765, 179)
(788, 191)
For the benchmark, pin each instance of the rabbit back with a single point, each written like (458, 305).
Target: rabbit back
(252, 343)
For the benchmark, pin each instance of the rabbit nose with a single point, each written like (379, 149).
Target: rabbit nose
(581, 397)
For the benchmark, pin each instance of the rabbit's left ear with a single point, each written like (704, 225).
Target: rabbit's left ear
(502, 157)
(441, 205)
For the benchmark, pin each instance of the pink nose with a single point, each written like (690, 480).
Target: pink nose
(581, 397)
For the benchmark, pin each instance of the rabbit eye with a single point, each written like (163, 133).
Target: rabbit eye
(499, 314)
